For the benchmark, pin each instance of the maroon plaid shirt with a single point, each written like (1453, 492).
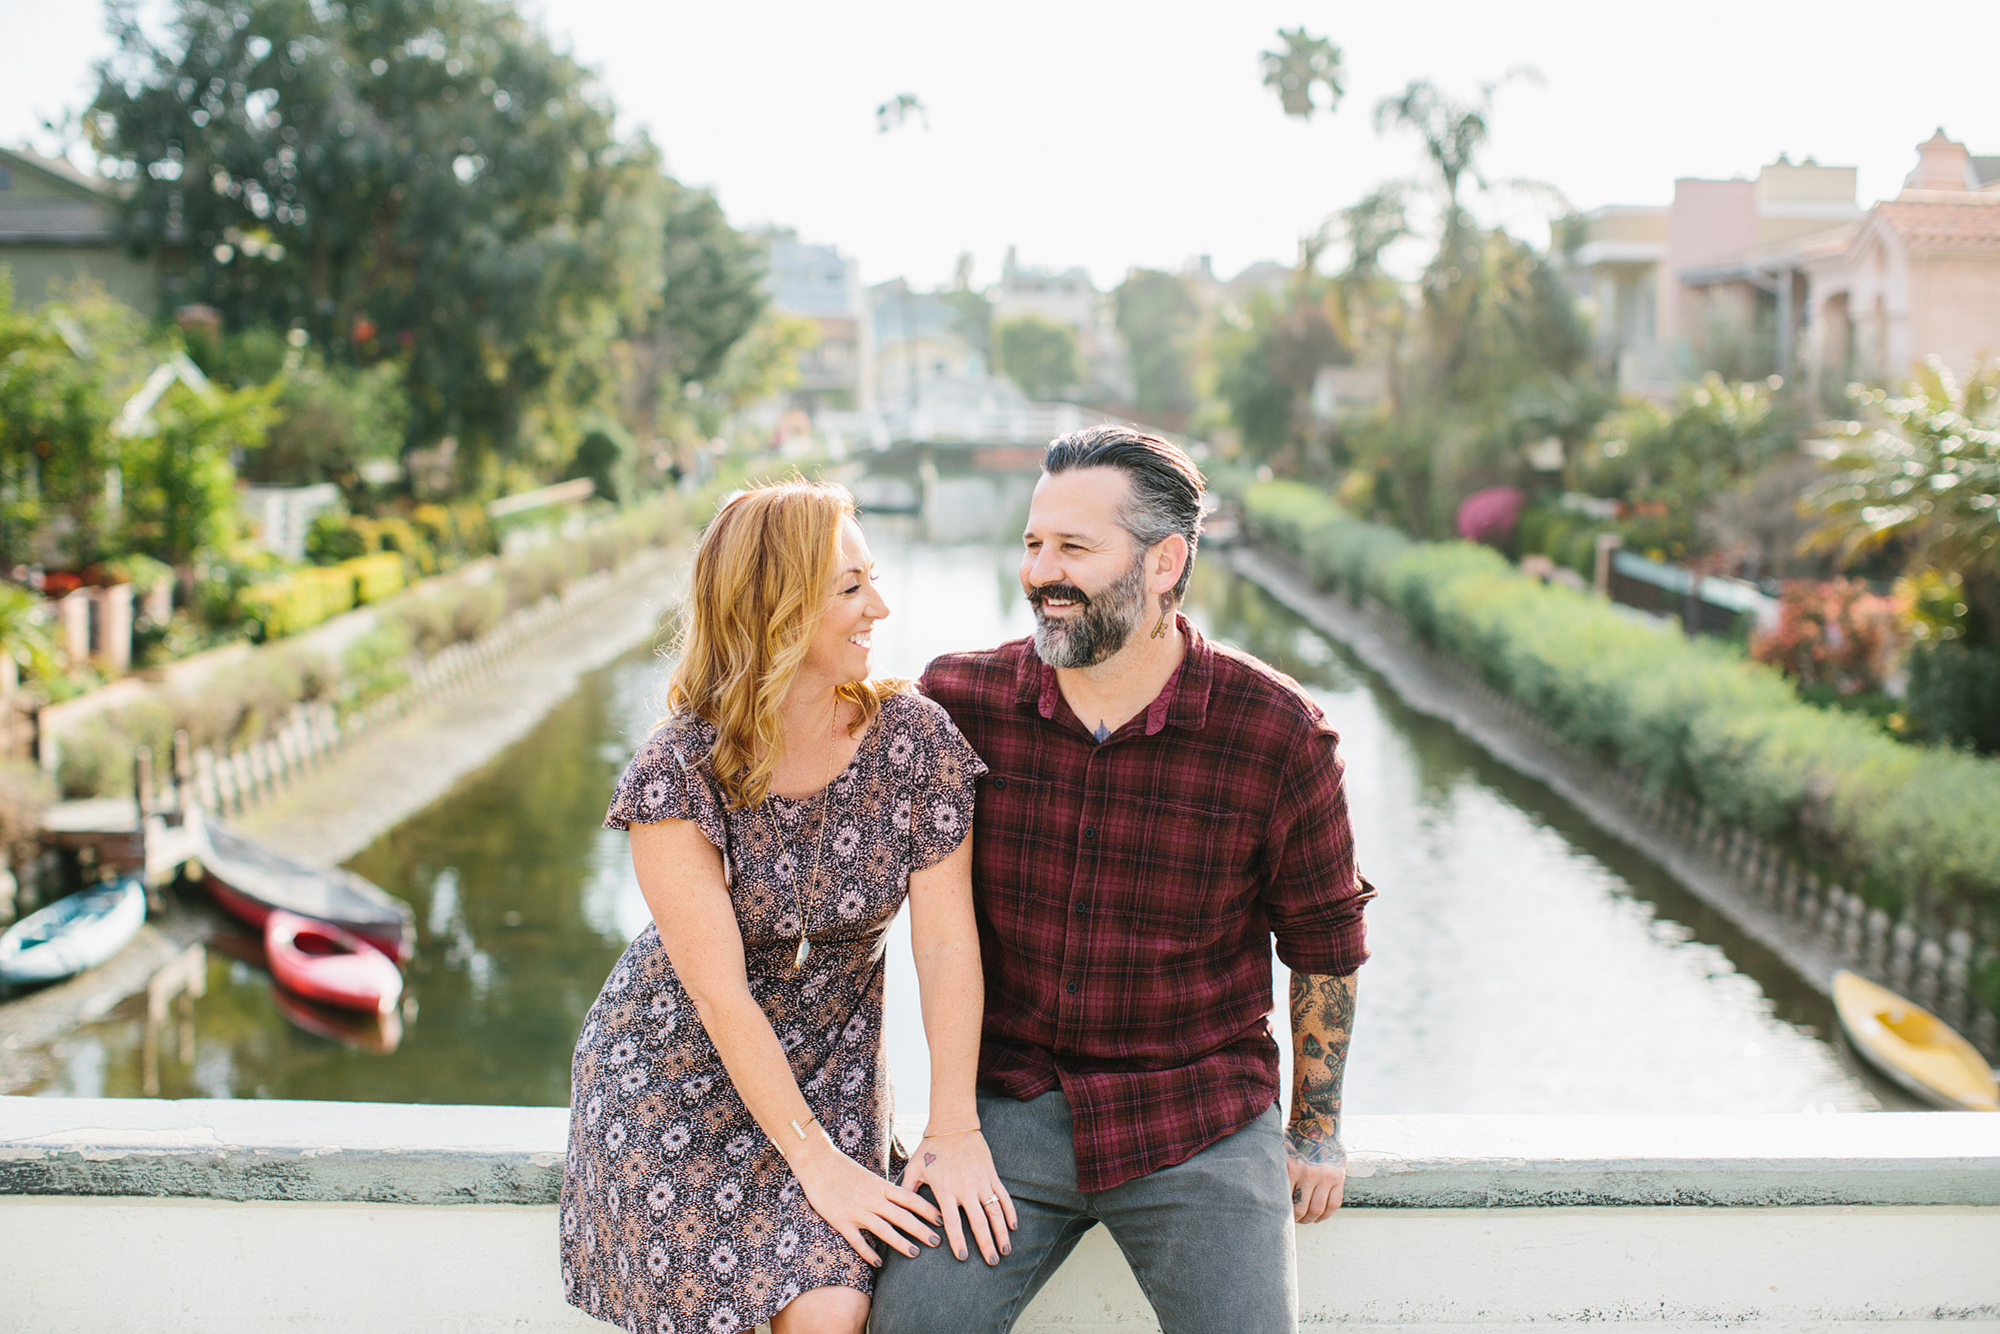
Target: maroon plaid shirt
(1127, 893)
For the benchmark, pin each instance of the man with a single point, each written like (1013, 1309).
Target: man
(1158, 809)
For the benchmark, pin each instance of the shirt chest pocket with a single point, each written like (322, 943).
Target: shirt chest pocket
(1190, 871)
(1022, 841)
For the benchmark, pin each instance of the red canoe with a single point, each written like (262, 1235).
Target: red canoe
(253, 879)
(328, 964)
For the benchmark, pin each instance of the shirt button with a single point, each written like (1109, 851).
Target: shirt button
(1071, 988)
(1082, 906)
(1000, 783)
(1090, 834)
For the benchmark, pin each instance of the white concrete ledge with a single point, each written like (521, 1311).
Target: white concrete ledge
(252, 1216)
(379, 1153)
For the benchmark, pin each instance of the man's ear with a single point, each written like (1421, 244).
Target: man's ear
(1169, 559)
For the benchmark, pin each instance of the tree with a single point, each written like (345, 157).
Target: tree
(1927, 481)
(1160, 322)
(1307, 63)
(714, 288)
(55, 443)
(179, 488)
(1495, 311)
(1266, 363)
(897, 111)
(326, 422)
(428, 180)
(712, 295)
(1038, 354)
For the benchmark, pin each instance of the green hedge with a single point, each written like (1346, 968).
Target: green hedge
(96, 754)
(1691, 716)
(376, 576)
(299, 601)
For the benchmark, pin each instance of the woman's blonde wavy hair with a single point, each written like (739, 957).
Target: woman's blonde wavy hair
(762, 575)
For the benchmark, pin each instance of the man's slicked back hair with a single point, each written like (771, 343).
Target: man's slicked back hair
(1166, 486)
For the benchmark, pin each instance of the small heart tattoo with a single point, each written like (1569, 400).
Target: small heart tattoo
(929, 1158)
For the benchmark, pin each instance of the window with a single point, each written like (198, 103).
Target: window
(6, 178)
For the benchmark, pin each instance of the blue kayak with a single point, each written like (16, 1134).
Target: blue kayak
(73, 934)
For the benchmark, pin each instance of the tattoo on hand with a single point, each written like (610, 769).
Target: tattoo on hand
(929, 1158)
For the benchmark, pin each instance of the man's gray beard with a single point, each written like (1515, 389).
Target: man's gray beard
(1100, 630)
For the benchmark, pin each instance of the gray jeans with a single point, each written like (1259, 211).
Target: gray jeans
(1210, 1240)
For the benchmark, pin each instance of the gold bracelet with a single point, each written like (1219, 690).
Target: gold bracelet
(800, 1130)
(949, 1133)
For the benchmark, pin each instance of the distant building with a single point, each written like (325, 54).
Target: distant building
(1804, 279)
(923, 352)
(57, 225)
(818, 283)
(1068, 298)
(1918, 277)
(1667, 283)
(1210, 291)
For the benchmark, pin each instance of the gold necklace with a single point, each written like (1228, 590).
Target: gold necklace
(819, 843)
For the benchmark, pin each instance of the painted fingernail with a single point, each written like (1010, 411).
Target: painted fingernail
(1006, 1249)
(932, 1240)
(959, 1254)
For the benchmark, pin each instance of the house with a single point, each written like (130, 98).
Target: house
(923, 350)
(1787, 275)
(1918, 277)
(1672, 286)
(58, 225)
(819, 283)
(1068, 297)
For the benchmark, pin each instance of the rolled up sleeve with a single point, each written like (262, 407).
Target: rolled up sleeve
(1314, 893)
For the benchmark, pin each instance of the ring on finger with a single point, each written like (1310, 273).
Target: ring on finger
(991, 1200)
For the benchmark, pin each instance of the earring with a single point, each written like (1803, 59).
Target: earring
(1166, 610)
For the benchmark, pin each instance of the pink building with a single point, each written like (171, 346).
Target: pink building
(1918, 277)
(1667, 283)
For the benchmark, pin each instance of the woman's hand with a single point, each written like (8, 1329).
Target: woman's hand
(856, 1202)
(959, 1171)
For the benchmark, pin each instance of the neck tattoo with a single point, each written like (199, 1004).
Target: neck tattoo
(1102, 733)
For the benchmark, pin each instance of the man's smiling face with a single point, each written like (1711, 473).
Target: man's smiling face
(1080, 569)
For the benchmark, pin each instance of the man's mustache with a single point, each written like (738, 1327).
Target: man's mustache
(1062, 592)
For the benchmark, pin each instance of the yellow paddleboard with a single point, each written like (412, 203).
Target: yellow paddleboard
(1913, 1046)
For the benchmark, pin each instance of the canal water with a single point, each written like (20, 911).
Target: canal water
(1524, 961)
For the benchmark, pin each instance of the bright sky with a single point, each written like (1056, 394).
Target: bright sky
(1120, 134)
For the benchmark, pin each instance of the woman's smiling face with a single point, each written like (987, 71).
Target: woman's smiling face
(840, 646)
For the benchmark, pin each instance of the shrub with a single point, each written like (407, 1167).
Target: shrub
(298, 602)
(1692, 716)
(1832, 633)
(1954, 694)
(376, 576)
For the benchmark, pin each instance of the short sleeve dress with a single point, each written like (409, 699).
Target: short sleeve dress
(678, 1215)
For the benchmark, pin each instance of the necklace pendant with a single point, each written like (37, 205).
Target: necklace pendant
(805, 952)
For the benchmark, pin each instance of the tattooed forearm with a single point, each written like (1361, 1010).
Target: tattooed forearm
(1322, 1023)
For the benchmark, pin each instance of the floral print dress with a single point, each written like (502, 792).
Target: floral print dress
(678, 1215)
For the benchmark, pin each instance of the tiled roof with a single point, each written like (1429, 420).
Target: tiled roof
(1946, 225)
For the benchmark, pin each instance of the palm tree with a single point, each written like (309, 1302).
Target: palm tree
(1305, 64)
(1928, 479)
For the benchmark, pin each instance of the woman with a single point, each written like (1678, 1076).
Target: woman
(730, 1119)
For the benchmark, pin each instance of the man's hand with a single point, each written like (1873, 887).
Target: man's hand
(1315, 1162)
(1317, 1170)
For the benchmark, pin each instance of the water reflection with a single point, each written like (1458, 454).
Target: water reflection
(1524, 961)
